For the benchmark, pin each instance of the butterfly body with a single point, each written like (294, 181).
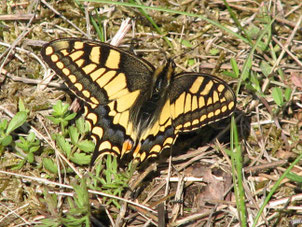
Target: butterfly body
(132, 107)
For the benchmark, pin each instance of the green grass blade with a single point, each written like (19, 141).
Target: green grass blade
(236, 158)
(247, 65)
(237, 22)
(175, 12)
(144, 12)
(274, 188)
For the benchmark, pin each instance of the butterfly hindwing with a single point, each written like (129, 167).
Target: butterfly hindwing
(198, 99)
(194, 100)
(158, 136)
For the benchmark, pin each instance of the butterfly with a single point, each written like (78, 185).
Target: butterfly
(131, 106)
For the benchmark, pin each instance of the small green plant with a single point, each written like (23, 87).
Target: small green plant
(237, 164)
(50, 165)
(76, 135)
(6, 128)
(281, 96)
(79, 212)
(79, 208)
(235, 73)
(61, 115)
(71, 139)
(110, 180)
(29, 146)
(25, 147)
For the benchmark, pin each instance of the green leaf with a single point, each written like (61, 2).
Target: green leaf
(54, 120)
(74, 134)
(248, 65)
(64, 145)
(80, 158)
(253, 31)
(82, 196)
(255, 82)
(70, 116)
(50, 222)
(33, 149)
(277, 96)
(21, 106)
(262, 45)
(230, 74)
(116, 203)
(19, 165)
(287, 94)
(191, 61)
(6, 140)
(50, 165)
(30, 144)
(214, 51)
(276, 48)
(186, 43)
(60, 115)
(30, 157)
(18, 120)
(3, 125)
(23, 144)
(235, 67)
(294, 177)
(59, 109)
(86, 146)
(80, 124)
(31, 137)
(265, 68)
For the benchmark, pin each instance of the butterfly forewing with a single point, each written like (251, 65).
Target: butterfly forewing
(112, 82)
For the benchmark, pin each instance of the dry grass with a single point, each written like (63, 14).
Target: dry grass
(269, 130)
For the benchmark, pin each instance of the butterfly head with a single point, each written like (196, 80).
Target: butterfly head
(162, 76)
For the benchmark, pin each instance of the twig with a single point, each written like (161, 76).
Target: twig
(64, 18)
